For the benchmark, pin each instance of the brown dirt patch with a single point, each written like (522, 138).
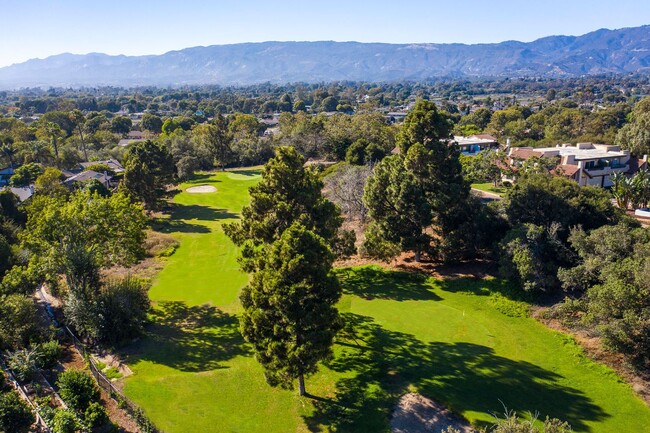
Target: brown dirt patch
(146, 269)
(417, 414)
(405, 263)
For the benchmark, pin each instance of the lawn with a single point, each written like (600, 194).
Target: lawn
(463, 342)
(489, 187)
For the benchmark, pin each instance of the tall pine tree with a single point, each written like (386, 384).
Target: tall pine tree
(286, 236)
(289, 314)
(419, 198)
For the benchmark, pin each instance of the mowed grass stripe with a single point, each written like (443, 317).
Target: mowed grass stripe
(456, 342)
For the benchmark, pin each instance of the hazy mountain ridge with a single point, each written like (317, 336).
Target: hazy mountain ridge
(603, 51)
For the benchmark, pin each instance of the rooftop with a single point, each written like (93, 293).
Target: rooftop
(583, 151)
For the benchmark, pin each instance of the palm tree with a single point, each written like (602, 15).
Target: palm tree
(37, 151)
(54, 132)
(622, 189)
(7, 148)
(640, 184)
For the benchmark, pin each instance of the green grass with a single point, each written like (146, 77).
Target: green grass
(489, 187)
(467, 343)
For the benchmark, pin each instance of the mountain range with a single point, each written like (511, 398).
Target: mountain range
(600, 52)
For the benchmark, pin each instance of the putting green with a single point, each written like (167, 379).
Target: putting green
(459, 342)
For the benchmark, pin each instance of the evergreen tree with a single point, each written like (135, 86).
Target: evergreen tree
(419, 195)
(288, 193)
(289, 307)
(287, 235)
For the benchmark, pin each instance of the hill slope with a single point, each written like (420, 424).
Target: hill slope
(602, 51)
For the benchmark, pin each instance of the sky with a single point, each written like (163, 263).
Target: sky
(40, 28)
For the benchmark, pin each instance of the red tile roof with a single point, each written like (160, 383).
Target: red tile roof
(568, 170)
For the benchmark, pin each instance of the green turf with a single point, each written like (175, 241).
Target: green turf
(489, 187)
(465, 343)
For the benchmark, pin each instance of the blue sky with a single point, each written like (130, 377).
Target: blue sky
(40, 28)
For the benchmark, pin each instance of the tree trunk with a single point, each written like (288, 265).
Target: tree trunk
(301, 385)
(418, 256)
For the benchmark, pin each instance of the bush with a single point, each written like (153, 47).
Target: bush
(95, 415)
(64, 421)
(123, 306)
(15, 414)
(77, 389)
(23, 363)
(17, 321)
(48, 354)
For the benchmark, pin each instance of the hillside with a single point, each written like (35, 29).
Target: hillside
(603, 51)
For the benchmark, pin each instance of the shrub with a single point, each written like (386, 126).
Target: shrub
(77, 389)
(123, 306)
(95, 415)
(23, 363)
(48, 354)
(64, 421)
(17, 321)
(15, 414)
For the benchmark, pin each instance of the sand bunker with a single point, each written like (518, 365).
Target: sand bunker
(201, 189)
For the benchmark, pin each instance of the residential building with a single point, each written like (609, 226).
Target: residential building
(586, 163)
(476, 143)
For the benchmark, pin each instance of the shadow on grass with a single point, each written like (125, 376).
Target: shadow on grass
(375, 283)
(190, 338)
(250, 173)
(464, 376)
(486, 287)
(166, 225)
(202, 177)
(198, 212)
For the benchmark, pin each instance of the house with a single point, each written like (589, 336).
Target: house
(23, 193)
(111, 163)
(476, 143)
(586, 163)
(87, 176)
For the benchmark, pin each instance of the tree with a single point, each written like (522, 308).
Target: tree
(121, 125)
(54, 133)
(152, 123)
(148, 169)
(26, 174)
(15, 414)
(398, 206)
(17, 320)
(287, 193)
(531, 255)
(530, 199)
(49, 183)
(217, 138)
(345, 187)
(299, 105)
(77, 389)
(419, 195)
(78, 119)
(289, 314)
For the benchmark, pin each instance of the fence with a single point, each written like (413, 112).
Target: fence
(40, 422)
(145, 424)
(105, 383)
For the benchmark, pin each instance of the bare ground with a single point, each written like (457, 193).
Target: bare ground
(417, 414)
